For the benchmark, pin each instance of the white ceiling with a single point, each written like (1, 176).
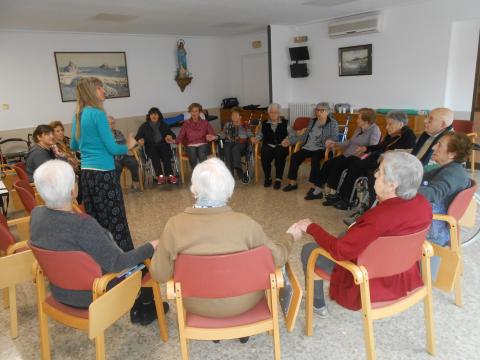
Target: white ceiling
(178, 17)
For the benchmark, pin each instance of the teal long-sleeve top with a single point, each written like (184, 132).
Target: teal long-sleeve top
(96, 143)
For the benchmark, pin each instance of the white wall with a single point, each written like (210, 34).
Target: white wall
(29, 84)
(410, 59)
(461, 65)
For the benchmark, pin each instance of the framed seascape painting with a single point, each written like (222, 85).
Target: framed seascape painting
(109, 67)
(355, 60)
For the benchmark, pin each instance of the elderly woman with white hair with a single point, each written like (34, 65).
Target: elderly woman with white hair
(211, 227)
(273, 133)
(401, 211)
(56, 227)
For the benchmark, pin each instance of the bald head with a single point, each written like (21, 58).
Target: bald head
(438, 120)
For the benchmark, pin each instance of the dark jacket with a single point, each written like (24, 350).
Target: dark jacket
(405, 140)
(145, 132)
(274, 138)
(36, 156)
(421, 140)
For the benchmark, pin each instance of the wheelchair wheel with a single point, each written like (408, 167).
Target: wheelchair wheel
(468, 235)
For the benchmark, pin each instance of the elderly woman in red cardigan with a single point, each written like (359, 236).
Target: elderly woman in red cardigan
(400, 211)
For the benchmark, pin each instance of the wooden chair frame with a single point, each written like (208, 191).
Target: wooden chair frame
(106, 308)
(360, 276)
(135, 154)
(174, 291)
(183, 157)
(472, 136)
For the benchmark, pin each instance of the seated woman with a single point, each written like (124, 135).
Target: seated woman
(128, 161)
(273, 133)
(55, 181)
(61, 147)
(41, 151)
(442, 184)
(195, 134)
(211, 227)
(400, 211)
(367, 133)
(399, 136)
(156, 136)
(313, 138)
(236, 135)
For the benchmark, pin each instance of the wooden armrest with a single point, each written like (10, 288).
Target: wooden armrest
(279, 278)
(356, 271)
(171, 289)
(447, 218)
(19, 245)
(472, 136)
(19, 221)
(427, 249)
(100, 284)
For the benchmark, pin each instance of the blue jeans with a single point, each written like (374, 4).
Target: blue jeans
(324, 264)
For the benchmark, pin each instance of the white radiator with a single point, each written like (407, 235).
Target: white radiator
(297, 110)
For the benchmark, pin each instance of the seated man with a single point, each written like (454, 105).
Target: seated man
(320, 129)
(438, 123)
(211, 227)
(400, 211)
(56, 227)
(128, 161)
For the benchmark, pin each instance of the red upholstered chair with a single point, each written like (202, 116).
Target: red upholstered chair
(83, 274)
(221, 276)
(26, 194)
(21, 171)
(15, 268)
(451, 267)
(381, 259)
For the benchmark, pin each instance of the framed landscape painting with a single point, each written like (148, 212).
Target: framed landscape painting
(109, 67)
(355, 60)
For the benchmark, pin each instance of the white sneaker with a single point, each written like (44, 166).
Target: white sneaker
(322, 312)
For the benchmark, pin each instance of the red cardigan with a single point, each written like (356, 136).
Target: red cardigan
(391, 217)
(194, 132)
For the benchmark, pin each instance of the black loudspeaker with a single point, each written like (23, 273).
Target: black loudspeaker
(298, 70)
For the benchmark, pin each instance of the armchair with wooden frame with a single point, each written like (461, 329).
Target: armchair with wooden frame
(414, 248)
(183, 157)
(9, 177)
(206, 277)
(15, 268)
(123, 177)
(451, 267)
(84, 274)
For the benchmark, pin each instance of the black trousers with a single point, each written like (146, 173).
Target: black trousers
(299, 157)
(103, 200)
(268, 154)
(197, 154)
(332, 170)
(357, 169)
(161, 154)
(233, 154)
(130, 163)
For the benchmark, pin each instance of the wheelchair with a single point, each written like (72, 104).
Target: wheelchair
(148, 170)
(248, 159)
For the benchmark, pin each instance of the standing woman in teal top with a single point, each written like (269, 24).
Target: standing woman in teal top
(92, 136)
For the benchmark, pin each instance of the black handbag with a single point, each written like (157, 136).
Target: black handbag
(229, 103)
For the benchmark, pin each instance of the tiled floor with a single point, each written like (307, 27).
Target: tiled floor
(338, 337)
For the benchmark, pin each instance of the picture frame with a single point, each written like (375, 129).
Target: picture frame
(355, 60)
(109, 67)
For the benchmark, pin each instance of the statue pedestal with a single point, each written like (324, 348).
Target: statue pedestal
(183, 82)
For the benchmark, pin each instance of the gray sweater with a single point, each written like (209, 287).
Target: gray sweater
(68, 231)
(36, 156)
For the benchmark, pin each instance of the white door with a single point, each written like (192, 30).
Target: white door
(255, 79)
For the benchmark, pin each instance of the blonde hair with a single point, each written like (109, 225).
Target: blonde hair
(87, 96)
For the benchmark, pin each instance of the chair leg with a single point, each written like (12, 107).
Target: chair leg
(44, 341)
(367, 321)
(162, 324)
(184, 347)
(13, 311)
(309, 304)
(257, 171)
(429, 327)
(458, 290)
(5, 298)
(100, 347)
(182, 170)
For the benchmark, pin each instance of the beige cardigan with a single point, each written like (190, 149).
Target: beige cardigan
(211, 231)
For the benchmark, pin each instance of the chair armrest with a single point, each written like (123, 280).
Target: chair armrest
(452, 224)
(297, 146)
(279, 278)
(171, 289)
(427, 249)
(472, 136)
(100, 284)
(17, 246)
(19, 221)
(447, 218)
(358, 274)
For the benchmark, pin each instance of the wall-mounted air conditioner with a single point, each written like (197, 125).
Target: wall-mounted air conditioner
(355, 25)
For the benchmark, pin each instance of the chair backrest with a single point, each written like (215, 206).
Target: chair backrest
(300, 123)
(26, 194)
(228, 275)
(6, 237)
(460, 203)
(391, 255)
(21, 172)
(463, 126)
(70, 270)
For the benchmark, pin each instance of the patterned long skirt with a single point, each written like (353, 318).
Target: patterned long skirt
(103, 199)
